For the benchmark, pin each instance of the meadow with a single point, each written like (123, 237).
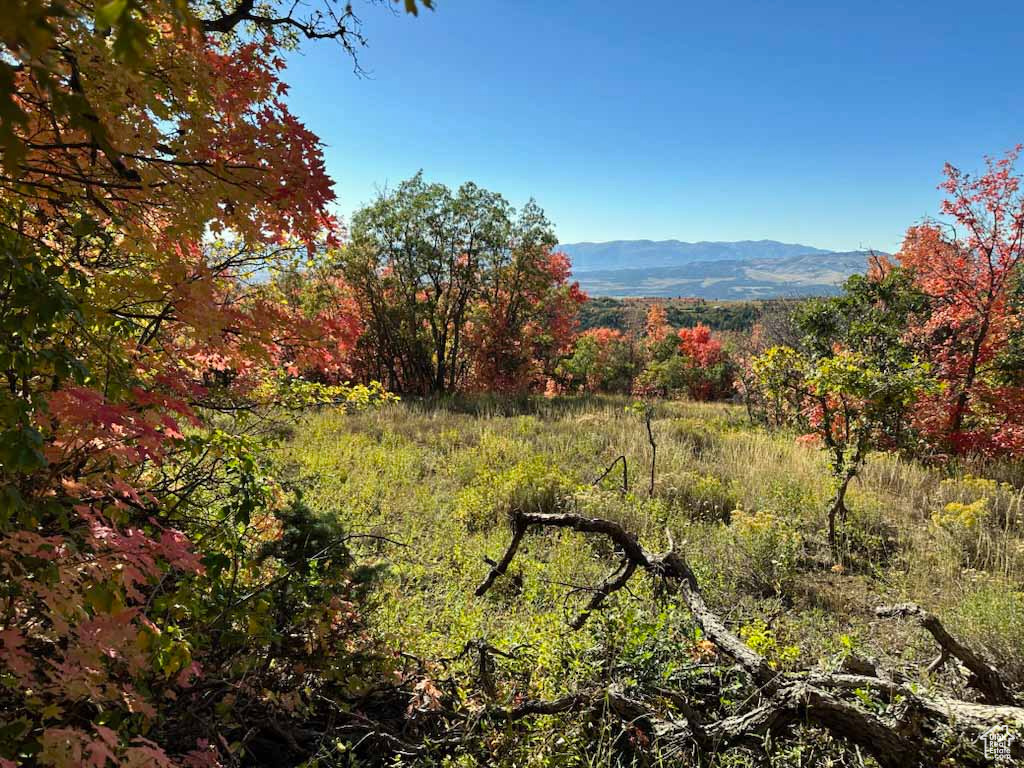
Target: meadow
(287, 479)
(437, 480)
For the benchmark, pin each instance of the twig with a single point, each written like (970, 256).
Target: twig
(654, 447)
(625, 473)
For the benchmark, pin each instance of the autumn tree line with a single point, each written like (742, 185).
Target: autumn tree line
(456, 291)
(174, 288)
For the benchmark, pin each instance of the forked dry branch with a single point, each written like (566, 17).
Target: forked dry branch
(919, 729)
(984, 677)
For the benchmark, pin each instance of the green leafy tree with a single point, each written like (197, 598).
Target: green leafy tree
(853, 381)
(456, 287)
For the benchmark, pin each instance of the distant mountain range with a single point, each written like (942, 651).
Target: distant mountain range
(748, 269)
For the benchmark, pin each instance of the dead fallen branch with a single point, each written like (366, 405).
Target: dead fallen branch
(615, 581)
(985, 678)
(910, 736)
(669, 567)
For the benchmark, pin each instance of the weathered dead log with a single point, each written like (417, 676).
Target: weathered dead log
(668, 566)
(967, 717)
(801, 702)
(782, 698)
(793, 703)
(985, 678)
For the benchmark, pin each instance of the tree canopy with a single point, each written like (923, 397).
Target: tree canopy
(458, 289)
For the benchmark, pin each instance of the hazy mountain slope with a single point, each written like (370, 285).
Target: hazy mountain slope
(632, 254)
(805, 274)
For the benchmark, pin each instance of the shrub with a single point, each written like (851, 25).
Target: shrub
(696, 434)
(532, 485)
(766, 552)
(1001, 499)
(763, 640)
(971, 511)
(701, 496)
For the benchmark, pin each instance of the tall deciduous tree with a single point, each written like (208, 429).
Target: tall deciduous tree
(970, 270)
(458, 289)
(524, 322)
(656, 327)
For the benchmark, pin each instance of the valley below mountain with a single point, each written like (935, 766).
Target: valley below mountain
(711, 270)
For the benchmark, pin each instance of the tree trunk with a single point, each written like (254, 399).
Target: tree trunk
(837, 508)
(960, 408)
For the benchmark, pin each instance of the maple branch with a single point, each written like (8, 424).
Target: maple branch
(228, 22)
(322, 24)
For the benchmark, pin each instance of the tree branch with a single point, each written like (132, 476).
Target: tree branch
(985, 677)
(814, 698)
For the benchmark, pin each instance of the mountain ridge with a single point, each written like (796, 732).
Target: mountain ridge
(613, 254)
(743, 269)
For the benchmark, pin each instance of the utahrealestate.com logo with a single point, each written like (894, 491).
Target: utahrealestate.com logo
(998, 740)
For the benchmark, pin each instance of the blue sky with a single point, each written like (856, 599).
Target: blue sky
(825, 123)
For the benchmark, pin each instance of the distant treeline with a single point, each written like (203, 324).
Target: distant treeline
(628, 314)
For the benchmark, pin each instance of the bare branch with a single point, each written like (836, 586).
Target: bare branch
(615, 581)
(499, 568)
(985, 677)
(625, 473)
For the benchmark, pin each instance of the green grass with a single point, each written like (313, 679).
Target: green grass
(746, 506)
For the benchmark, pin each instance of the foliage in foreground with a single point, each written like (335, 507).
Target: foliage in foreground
(159, 593)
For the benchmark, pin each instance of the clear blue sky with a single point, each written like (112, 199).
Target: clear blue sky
(825, 122)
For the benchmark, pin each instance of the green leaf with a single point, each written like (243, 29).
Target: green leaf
(15, 731)
(102, 598)
(107, 15)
